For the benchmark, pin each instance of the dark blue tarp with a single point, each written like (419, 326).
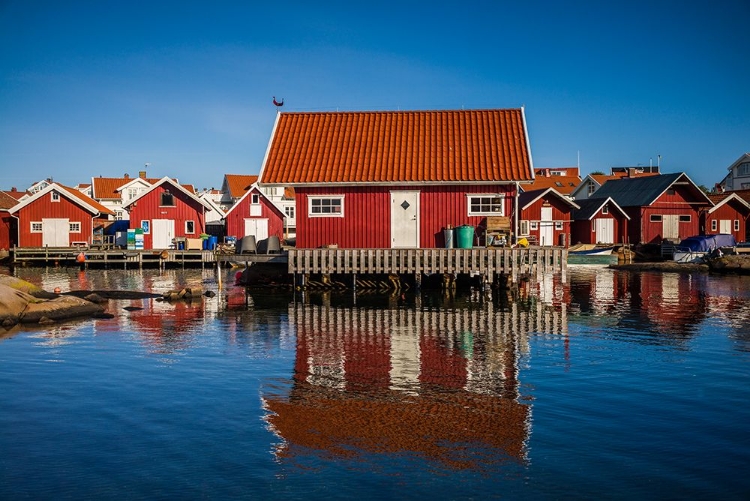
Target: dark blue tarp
(707, 243)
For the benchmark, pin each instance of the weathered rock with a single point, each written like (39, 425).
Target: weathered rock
(61, 308)
(13, 303)
(24, 286)
(95, 298)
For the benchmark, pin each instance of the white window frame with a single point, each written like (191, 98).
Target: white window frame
(558, 225)
(146, 226)
(486, 207)
(714, 224)
(54, 196)
(523, 227)
(311, 203)
(533, 225)
(685, 218)
(736, 225)
(289, 211)
(743, 169)
(36, 227)
(74, 227)
(605, 209)
(255, 198)
(187, 231)
(655, 218)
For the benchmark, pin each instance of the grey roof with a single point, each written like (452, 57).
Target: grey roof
(591, 206)
(641, 191)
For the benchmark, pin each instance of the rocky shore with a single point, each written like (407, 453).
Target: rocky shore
(731, 264)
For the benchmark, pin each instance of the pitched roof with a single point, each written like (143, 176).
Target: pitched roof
(464, 146)
(181, 187)
(6, 201)
(16, 194)
(589, 207)
(255, 188)
(720, 199)
(238, 184)
(527, 198)
(103, 188)
(643, 191)
(72, 194)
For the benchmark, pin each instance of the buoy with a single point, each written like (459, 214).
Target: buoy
(57, 290)
(80, 258)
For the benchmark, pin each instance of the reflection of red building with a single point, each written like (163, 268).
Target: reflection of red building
(407, 381)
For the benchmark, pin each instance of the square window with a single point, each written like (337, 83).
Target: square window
(558, 225)
(534, 225)
(75, 227)
(487, 205)
(167, 199)
(189, 227)
(36, 227)
(332, 206)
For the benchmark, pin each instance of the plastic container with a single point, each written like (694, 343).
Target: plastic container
(212, 242)
(465, 236)
(448, 234)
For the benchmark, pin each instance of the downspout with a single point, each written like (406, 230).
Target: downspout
(515, 213)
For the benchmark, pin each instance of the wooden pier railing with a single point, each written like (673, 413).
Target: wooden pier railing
(480, 261)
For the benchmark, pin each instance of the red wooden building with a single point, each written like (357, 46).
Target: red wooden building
(545, 217)
(57, 216)
(660, 207)
(397, 179)
(8, 230)
(599, 221)
(255, 214)
(167, 211)
(728, 215)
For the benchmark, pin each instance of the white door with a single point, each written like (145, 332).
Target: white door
(55, 232)
(257, 227)
(725, 226)
(546, 227)
(404, 219)
(670, 227)
(162, 233)
(605, 231)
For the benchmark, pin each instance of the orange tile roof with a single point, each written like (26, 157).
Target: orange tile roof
(403, 146)
(6, 201)
(16, 194)
(103, 188)
(86, 199)
(561, 184)
(238, 184)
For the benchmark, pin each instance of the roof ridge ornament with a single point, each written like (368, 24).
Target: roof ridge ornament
(278, 103)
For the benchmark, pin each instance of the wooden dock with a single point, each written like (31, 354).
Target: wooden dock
(487, 263)
(107, 258)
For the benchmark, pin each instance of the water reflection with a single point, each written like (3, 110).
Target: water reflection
(440, 384)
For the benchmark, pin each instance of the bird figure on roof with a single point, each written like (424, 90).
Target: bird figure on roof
(277, 103)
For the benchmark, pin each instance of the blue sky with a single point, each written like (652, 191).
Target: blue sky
(90, 88)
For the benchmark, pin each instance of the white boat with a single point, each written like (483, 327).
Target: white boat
(697, 248)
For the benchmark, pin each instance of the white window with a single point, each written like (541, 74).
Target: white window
(486, 205)
(736, 225)
(189, 227)
(118, 215)
(36, 227)
(743, 169)
(605, 209)
(558, 225)
(713, 225)
(524, 227)
(591, 188)
(289, 211)
(534, 225)
(146, 226)
(255, 199)
(75, 227)
(55, 196)
(329, 206)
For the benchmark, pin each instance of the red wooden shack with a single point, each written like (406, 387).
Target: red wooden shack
(255, 214)
(728, 215)
(166, 211)
(397, 179)
(8, 229)
(599, 221)
(57, 216)
(660, 207)
(545, 217)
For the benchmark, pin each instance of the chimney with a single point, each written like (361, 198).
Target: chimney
(546, 173)
(126, 176)
(631, 172)
(142, 174)
(14, 189)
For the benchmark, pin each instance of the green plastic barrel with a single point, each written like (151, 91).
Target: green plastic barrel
(465, 236)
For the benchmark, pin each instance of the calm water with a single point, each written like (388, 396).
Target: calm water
(613, 385)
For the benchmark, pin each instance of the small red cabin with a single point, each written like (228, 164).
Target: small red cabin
(729, 216)
(545, 217)
(57, 216)
(255, 214)
(397, 179)
(167, 211)
(599, 221)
